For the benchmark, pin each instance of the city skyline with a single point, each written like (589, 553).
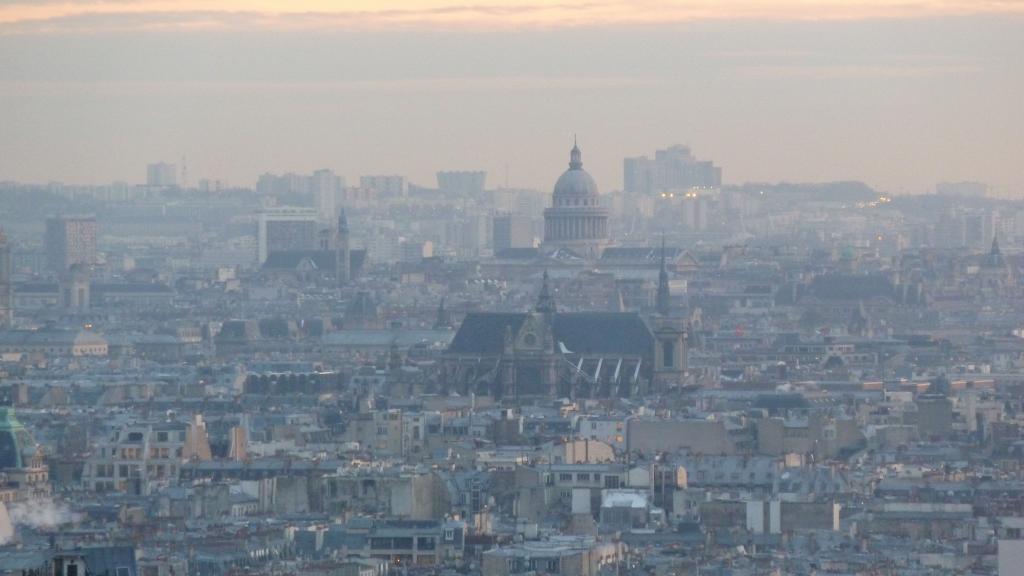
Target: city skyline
(893, 99)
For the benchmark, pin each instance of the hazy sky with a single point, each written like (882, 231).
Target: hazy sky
(899, 93)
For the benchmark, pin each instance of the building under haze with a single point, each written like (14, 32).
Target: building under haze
(161, 174)
(576, 220)
(464, 182)
(286, 230)
(6, 286)
(70, 240)
(674, 168)
(511, 231)
(384, 185)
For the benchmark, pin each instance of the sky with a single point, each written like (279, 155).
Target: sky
(898, 93)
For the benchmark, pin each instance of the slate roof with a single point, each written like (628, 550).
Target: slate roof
(623, 333)
(639, 253)
(519, 254)
(97, 288)
(323, 259)
(604, 332)
(484, 332)
(851, 287)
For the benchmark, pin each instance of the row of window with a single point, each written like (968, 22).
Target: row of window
(610, 480)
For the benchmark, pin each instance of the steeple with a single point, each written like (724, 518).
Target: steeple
(545, 300)
(995, 255)
(342, 251)
(663, 302)
(575, 156)
(444, 319)
(342, 221)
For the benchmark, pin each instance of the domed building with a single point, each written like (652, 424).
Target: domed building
(576, 220)
(23, 468)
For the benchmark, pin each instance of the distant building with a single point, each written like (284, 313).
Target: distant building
(384, 185)
(143, 454)
(576, 220)
(326, 185)
(22, 462)
(161, 174)
(70, 240)
(578, 354)
(6, 287)
(53, 343)
(468, 183)
(511, 231)
(674, 168)
(321, 187)
(286, 230)
(965, 189)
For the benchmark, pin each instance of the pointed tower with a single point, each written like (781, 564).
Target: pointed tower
(444, 318)
(995, 255)
(545, 300)
(663, 301)
(342, 253)
(670, 335)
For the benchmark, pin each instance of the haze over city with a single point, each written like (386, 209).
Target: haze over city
(891, 93)
(511, 288)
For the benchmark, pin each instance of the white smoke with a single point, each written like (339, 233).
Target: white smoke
(39, 513)
(6, 527)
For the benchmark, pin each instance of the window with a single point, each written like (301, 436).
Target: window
(449, 535)
(668, 351)
(583, 477)
(565, 477)
(611, 481)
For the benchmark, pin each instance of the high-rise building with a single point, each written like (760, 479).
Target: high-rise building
(286, 229)
(161, 174)
(512, 231)
(325, 185)
(466, 183)
(384, 185)
(576, 219)
(6, 286)
(672, 169)
(70, 240)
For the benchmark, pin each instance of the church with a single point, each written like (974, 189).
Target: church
(547, 353)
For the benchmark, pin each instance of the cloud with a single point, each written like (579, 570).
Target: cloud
(54, 16)
(856, 72)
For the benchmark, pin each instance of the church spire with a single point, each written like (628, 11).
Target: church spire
(575, 156)
(663, 302)
(342, 221)
(545, 300)
(444, 319)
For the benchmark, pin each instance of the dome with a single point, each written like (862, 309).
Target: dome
(575, 181)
